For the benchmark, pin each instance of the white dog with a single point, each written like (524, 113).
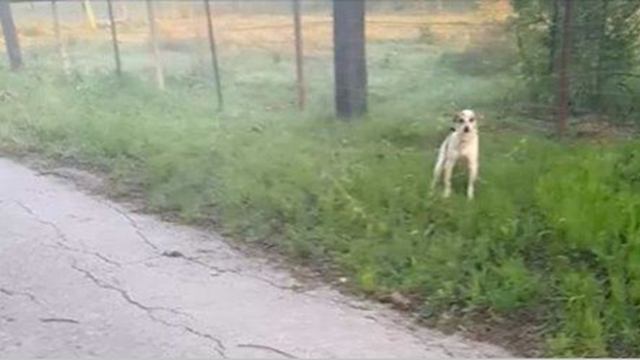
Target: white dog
(462, 142)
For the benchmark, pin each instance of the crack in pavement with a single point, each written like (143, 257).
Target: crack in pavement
(64, 240)
(62, 243)
(63, 246)
(59, 320)
(12, 293)
(124, 294)
(218, 271)
(299, 289)
(219, 347)
(134, 224)
(268, 348)
(141, 261)
(33, 299)
(195, 260)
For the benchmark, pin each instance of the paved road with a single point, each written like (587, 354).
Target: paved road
(81, 276)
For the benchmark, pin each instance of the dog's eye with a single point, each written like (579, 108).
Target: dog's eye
(460, 121)
(471, 120)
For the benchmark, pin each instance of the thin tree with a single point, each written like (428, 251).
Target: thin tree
(154, 44)
(350, 64)
(114, 37)
(562, 60)
(89, 15)
(297, 25)
(10, 35)
(214, 53)
(62, 51)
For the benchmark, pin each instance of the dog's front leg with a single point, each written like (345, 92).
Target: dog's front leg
(473, 175)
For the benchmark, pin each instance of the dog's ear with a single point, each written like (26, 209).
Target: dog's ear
(456, 117)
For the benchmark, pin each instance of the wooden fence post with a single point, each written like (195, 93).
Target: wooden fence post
(214, 54)
(300, 83)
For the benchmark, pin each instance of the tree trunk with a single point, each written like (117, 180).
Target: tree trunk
(89, 15)
(562, 63)
(553, 35)
(350, 64)
(601, 72)
(10, 35)
(114, 37)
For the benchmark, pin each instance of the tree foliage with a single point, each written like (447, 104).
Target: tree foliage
(604, 52)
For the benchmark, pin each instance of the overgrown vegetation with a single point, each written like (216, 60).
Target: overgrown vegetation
(604, 53)
(551, 241)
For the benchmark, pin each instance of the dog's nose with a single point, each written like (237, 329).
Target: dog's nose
(466, 129)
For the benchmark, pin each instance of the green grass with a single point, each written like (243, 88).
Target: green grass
(552, 237)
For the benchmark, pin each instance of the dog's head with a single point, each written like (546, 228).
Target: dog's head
(465, 121)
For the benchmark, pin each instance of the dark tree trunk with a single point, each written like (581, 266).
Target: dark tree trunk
(350, 63)
(114, 37)
(561, 68)
(601, 72)
(553, 35)
(10, 35)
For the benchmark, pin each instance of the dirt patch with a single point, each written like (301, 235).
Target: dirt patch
(523, 333)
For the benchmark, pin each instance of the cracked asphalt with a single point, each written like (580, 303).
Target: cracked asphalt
(81, 276)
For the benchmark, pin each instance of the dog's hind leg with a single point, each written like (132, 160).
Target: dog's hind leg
(448, 170)
(473, 175)
(437, 170)
(437, 173)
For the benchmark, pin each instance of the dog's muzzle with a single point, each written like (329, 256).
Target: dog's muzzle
(466, 129)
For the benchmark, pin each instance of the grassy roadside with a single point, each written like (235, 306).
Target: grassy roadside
(552, 241)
